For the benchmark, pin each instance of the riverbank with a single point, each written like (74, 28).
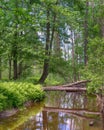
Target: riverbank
(14, 95)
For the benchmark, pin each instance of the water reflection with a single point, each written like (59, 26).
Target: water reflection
(102, 121)
(71, 100)
(61, 111)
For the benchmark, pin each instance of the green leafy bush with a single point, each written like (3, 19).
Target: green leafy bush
(15, 94)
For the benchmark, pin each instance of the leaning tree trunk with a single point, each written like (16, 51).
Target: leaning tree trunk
(48, 47)
(46, 60)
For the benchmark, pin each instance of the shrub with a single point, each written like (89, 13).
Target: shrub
(15, 94)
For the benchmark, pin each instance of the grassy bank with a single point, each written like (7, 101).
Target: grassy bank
(15, 94)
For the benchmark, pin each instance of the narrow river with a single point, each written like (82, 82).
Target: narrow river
(59, 111)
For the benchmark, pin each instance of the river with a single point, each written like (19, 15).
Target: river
(59, 111)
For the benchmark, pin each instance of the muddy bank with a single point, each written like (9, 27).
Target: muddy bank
(14, 111)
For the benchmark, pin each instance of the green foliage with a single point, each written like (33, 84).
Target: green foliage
(16, 94)
(96, 81)
(23, 37)
(95, 68)
(54, 79)
(3, 100)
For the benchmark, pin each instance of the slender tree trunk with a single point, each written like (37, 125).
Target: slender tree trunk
(86, 34)
(15, 51)
(57, 44)
(65, 52)
(102, 35)
(10, 68)
(73, 56)
(15, 62)
(0, 68)
(76, 36)
(101, 21)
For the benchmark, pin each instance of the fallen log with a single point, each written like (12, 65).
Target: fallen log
(78, 83)
(75, 84)
(69, 89)
(82, 116)
(65, 110)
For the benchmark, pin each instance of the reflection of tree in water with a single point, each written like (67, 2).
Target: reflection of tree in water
(73, 101)
(54, 98)
(100, 100)
(102, 111)
(34, 123)
(102, 121)
(60, 120)
(70, 100)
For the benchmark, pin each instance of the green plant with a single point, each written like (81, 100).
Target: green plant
(15, 94)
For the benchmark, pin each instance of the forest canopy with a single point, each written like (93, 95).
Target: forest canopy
(52, 40)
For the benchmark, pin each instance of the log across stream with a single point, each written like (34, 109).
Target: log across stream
(72, 87)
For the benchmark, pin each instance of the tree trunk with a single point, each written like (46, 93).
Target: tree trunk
(86, 34)
(15, 63)
(46, 60)
(10, 68)
(20, 69)
(0, 69)
(15, 52)
(73, 56)
(48, 47)
(57, 44)
(102, 35)
(102, 19)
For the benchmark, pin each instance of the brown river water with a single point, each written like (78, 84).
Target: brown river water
(59, 111)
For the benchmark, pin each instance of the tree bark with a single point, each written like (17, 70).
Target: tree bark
(10, 68)
(73, 56)
(15, 62)
(0, 68)
(57, 44)
(46, 60)
(20, 69)
(86, 34)
(14, 47)
(68, 89)
(102, 19)
(48, 47)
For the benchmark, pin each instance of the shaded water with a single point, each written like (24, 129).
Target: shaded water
(60, 111)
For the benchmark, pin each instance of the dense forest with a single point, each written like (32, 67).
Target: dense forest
(52, 41)
(49, 44)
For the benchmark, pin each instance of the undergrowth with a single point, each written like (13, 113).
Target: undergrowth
(15, 94)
